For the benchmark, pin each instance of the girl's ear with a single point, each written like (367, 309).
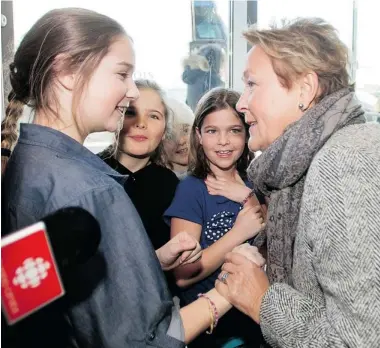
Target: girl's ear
(65, 78)
(199, 135)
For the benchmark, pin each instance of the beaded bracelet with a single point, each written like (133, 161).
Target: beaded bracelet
(212, 318)
(245, 200)
(213, 311)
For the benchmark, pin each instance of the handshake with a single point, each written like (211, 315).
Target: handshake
(242, 281)
(251, 253)
(184, 249)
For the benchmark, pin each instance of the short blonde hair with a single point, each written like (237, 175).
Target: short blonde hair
(181, 113)
(302, 45)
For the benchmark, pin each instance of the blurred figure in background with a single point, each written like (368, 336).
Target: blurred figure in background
(202, 72)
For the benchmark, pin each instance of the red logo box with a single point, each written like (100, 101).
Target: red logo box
(29, 274)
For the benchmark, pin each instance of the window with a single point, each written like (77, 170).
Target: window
(367, 72)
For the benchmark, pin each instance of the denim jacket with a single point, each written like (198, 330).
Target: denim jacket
(121, 298)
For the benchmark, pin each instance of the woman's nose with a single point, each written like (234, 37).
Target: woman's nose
(241, 105)
(182, 139)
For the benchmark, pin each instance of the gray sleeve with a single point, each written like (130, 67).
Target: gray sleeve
(335, 301)
(290, 319)
(176, 328)
(122, 299)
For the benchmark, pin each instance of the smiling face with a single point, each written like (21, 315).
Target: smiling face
(144, 125)
(178, 148)
(109, 90)
(222, 137)
(268, 106)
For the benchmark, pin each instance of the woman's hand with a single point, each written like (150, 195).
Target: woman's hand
(245, 285)
(180, 250)
(235, 190)
(249, 222)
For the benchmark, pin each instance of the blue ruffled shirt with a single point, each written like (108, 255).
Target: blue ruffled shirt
(216, 215)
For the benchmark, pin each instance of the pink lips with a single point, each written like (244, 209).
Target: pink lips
(224, 154)
(138, 137)
(182, 151)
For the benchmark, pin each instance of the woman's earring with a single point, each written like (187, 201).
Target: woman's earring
(301, 107)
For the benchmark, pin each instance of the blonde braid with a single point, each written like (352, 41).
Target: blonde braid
(9, 136)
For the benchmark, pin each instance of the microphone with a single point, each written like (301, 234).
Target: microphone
(74, 236)
(37, 260)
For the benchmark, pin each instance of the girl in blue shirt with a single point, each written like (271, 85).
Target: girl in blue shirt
(218, 153)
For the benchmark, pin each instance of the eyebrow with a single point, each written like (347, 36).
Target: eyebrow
(230, 127)
(127, 65)
(246, 75)
(154, 110)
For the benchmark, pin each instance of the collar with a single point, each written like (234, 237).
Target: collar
(120, 168)
(65, 146)
(221, 199)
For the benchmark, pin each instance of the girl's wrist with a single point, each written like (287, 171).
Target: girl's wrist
(158, 253)
(248, 195)
(221, 303)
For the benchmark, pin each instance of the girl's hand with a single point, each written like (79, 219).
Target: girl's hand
(235, 190)
(180, 250)
(251, 253)
(249, 222)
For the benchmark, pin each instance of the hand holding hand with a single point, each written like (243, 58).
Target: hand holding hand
(180, 250)
(251, 253)
(244, 286)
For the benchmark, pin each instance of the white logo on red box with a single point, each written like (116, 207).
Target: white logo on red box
(31, 273)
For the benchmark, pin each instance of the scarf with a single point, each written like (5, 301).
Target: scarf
(280, 171)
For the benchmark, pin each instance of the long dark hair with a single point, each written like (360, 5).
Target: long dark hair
(215, 100)
(79, 38)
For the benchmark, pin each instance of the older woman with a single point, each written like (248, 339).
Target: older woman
(177, 146)
(320, 167)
